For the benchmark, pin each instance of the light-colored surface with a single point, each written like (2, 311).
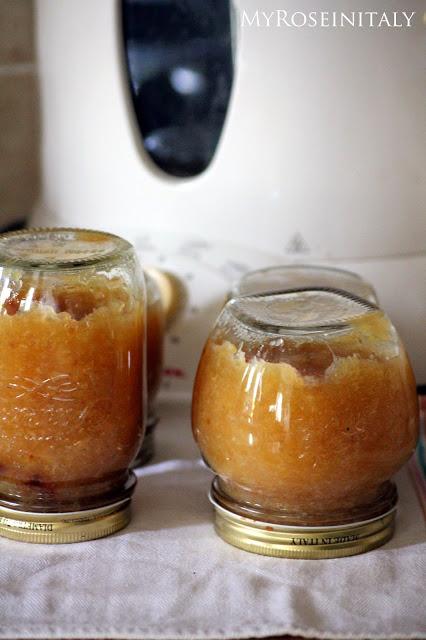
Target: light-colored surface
(19, 135)
(169, 576)
(321, 148)
(321, 157)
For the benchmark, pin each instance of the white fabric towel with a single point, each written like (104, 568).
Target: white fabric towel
(168, 576)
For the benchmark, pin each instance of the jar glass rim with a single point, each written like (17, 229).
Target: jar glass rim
(13, 256)
(251, 278)
(303, 266)
(267, 319)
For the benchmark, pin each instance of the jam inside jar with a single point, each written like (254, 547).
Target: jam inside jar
(72, 335)
(304, 406)
(155, 330)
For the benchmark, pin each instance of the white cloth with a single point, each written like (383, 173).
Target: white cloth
(169, 576)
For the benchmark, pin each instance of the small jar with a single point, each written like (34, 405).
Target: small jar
(155, 355)
(304, 406)
(297, 276)
(72, 330)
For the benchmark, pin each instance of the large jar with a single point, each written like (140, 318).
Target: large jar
(296, 276)
(304, 406)
(72, 335)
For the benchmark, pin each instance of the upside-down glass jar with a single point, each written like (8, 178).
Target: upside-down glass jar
(155, 324)
(304, 406)
(72, 336)
(296, 276)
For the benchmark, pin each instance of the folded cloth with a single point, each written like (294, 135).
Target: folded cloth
(169, 576)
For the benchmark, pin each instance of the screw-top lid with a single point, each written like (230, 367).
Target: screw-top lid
(304, 542)
(61, 528)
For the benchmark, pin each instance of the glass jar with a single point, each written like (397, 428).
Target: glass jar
(72, 335)
(305, 406)
(154, 358)
(296, 276)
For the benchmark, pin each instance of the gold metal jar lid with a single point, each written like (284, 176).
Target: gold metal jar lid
(309, 543)
(61, 528)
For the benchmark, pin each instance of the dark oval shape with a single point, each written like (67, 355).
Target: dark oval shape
(180, 70)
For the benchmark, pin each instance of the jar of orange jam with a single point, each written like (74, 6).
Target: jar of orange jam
(72, 335)
(154, 358)
(305, 406)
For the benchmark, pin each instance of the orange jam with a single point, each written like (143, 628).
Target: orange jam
(71, 410)
(154, 349)
(305, 423)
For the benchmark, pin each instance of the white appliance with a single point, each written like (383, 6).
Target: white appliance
(321, 158)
